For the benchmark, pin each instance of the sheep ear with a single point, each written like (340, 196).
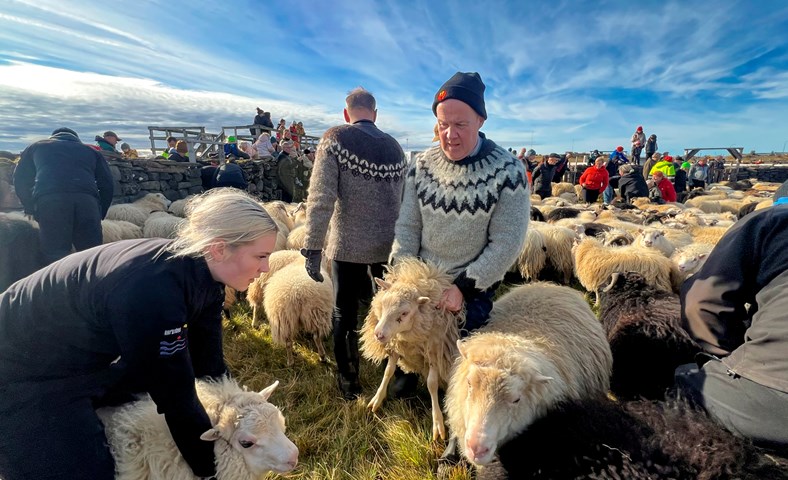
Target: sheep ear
(267, 391)
(423, 300)
(461, 349)
(702, 255)
(539, 378)
(384, 285)
(211, 435)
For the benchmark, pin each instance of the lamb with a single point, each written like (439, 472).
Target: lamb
(139, 210)
(665, 240)
(162, 225)
(533, 255)
(115, 230)
(295, 304)
(643, 326)
(596, 263)
(279, 259)
(638, 440)
(558, 241)
(248, 435)
(404, 326)
(543, 345)
(689, 259)
(562, 187)
(20, 251)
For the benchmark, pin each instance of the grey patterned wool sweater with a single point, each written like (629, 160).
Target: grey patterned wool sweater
(356, 185)
(469, 216)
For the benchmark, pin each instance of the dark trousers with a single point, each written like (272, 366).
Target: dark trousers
(477, 309)
(51, 436)
(544, 194)
(67, 219)
(744, 407)
(636, 155)
(589, 196)
(697, 183)
(353, 287)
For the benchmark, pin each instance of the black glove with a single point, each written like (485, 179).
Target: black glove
(313, 259)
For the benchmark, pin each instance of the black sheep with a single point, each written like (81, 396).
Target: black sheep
(536, 214)
(637, 440)
(20, 253)
(643, 327)
(745, 210)
(562, 212)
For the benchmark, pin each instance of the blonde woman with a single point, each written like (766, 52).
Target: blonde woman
(126, 317)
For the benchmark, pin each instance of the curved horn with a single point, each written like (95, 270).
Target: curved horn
(613, 280)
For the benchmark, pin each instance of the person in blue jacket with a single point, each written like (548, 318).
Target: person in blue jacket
(67, 186)
(126, 317)
(231, 149)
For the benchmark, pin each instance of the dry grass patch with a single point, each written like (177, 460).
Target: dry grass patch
(336, 439)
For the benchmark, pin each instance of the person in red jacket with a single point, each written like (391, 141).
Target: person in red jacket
(594, 181)
(665, 187)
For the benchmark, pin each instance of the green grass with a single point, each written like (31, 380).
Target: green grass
(337, 439)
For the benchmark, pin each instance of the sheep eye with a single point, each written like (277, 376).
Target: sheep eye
(516, 400)
(245, 443)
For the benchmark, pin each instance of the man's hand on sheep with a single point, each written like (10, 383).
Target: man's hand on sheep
(313, 259)
(451, 299)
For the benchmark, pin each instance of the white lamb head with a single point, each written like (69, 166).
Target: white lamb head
(691, 262)
(498, 395)
(650, 237)
(396, 308)
(256, 430)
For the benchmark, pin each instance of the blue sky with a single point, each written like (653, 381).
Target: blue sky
(560, 75)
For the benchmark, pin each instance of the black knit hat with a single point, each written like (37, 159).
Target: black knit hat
(64, 130)
(465, 87)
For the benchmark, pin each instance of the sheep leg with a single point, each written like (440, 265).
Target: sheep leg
(596, 292)
(438, 428)
(321, 350)
(380, 395)
(289, 347)
(254, 315)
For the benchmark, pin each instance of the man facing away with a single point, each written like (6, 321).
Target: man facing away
(68, 187)
(356, 187)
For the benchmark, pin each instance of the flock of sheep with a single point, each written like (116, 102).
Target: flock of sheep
(544, 364)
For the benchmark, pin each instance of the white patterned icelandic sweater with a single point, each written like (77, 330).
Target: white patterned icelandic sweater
(468, 216)
(356, 185)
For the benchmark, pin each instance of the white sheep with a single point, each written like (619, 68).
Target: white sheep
(689, 259)
(543, 345)
(709, 235)
(404, 325)
(296, 240)
(595, 263)
(248, 435)
(178, 207)
(115, 230)
(533, 255)
(562, 187)
(278, 210)
(558, 241)
(139, 210)
(295, 304)
(162, 225)
(279, 259)
(655, 238)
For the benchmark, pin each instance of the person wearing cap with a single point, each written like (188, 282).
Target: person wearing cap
(543, 175)
(231, 149)
(67, 186)
(180, 153)
(638, 141)
(107, 141)
(616, 159)
(699, 174)
(466, 203)
(262, 119)
(734, 308)
(662, 188)
(354, 196)
(466, 207)
(128, 152)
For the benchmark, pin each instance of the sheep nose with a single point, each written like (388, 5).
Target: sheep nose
(380, 336)
(476, 450)
(648, 244)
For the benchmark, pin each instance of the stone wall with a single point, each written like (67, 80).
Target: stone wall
(138, 177)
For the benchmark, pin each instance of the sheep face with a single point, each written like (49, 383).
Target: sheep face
(498, 402)
(396, 309)
(691, 263)
(256, 430)
(651, 237)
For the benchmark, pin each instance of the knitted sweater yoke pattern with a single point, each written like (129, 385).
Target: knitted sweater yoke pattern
(468, 216)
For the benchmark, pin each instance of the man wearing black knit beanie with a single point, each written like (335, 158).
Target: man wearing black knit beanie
(466, 204)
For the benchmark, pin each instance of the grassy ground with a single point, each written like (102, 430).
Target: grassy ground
(336, 439)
